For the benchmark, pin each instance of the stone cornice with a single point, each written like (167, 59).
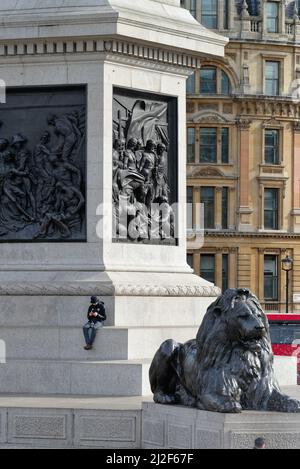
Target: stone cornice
(102, 289)
(235, 234)
(98, 46)
(148, 21)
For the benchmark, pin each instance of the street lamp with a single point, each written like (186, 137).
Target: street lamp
(287, 266)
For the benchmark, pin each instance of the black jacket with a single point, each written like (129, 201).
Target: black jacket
(99, 308)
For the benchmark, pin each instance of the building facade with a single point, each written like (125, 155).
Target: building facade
(243, 133)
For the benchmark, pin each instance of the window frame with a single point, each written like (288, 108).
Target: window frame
(214, 16)
(219, 144)
(276, 278)
(277, 161)
(214, 267)
(275, 211)
(274, 18)
(225, 213)
(277, 80)
(225, 272)
(213, 146)
(213, 204)
(189, 145)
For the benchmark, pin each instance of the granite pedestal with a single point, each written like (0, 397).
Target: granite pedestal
(171, 427)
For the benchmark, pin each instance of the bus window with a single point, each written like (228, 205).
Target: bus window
(284, 333)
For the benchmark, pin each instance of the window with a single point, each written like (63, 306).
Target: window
(272, 78)
(209, 13)
(190, 84)
(271, 278)
(214, 145)
(214, 81)
(208, 267)
(193, 9)
(225, 145)
(208, 200)
(191, 138)
(208, 145)
(225, 268)
(189, 199)
(226, 15)
(208, 80)
(284, 332)
(272, 17)
(190, 260)
(225, 208)
(271, 209)
(225, 84)
(272, 146)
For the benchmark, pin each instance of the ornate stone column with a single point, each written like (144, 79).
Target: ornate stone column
(244, 207)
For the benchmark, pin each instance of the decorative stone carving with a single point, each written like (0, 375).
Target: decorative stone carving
(228, 367)
(210, 116)
(144, 168)
(104, 289)
(243, 124)
(208, 172)
(42, 165)
(262, 107)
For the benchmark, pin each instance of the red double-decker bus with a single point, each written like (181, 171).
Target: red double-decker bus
(285, 335)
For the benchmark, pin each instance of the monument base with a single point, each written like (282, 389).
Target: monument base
(42, 314)
(174, 427)
(74, 422)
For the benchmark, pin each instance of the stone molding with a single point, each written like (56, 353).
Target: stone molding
(73, 289)
(96, 46)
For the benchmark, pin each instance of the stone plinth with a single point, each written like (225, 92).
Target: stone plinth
(170, 427)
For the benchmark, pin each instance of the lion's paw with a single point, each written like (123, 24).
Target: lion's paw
(293, 406)
(232, 408)
(161, 398)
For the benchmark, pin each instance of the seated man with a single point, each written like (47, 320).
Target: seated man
(96, 316)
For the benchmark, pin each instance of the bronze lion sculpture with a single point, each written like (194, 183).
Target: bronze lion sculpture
(228, 367)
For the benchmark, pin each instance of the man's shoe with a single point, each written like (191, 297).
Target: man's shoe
(88, 347)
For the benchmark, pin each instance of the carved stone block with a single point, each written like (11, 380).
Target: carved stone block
(144, 167)
(43, 164)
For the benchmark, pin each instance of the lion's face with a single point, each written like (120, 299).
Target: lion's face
(243, 318)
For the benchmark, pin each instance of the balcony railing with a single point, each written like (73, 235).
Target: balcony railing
(256, 26)
(277, 307)
(289, 28)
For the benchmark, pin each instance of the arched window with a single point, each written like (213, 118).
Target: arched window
(208, 80)
(214, 81)
(225, 84)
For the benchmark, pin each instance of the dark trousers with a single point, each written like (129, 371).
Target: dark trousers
(90, 331)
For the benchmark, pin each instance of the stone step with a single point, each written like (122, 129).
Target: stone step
(121, 311)
(111, 378)
(66, 343)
